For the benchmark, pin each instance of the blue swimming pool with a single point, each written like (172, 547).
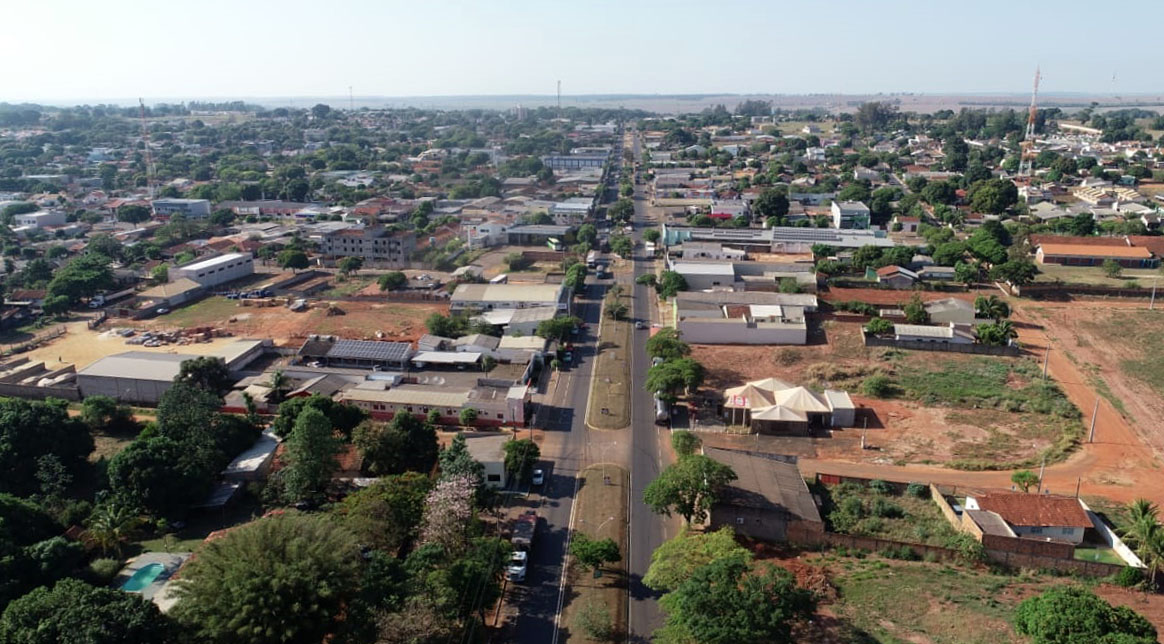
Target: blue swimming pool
(143, 577)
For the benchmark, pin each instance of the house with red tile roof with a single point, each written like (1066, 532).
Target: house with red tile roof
(1038, 516)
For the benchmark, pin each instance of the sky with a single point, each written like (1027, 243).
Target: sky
(57, 50)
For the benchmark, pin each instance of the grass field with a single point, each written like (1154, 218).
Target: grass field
(1102, 555)
(899, 602)
(208, 312)
(1004, 397)
(611, 388)
(601, 514)
(1094, 275)
(1142, 331)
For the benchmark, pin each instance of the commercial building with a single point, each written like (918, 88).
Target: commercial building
(850, 214)
(379, 247)
(40, 219)
(778, 239)
(1095, 255)
(143, 376)
(330, 351)
(504, 405)
(774, 406)
(589, 159)
(487, 297)
(217, 270)
(190, 208)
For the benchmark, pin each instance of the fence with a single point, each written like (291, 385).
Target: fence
(35, 341)
(948, 347)
(394, 296)
(39, 393)
(96, 322)
(1062, 290)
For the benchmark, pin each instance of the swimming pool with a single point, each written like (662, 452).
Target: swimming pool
(143, 577)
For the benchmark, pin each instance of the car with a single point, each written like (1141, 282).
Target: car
(539, 477)
(163, 311)
(518, 565)
(639, 324)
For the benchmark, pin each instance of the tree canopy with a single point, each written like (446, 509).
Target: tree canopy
(689, 487)
(73, 612)
(1075, 615)
(405, 443)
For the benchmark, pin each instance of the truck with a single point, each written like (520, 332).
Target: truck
(592, 259)
(524, 527)
(662, 414)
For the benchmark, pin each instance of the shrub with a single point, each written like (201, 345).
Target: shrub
(885, 509)
(1128, 577)
(879, 326)
(595, 621)
(877, 385)
(104, 570)
(880, 487)
(918, 490)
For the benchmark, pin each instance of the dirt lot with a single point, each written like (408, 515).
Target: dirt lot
(402, 321)
(80, 346)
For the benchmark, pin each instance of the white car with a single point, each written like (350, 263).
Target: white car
(518, 563)
(539, 477)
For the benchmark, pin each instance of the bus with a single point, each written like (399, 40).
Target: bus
(555, 244)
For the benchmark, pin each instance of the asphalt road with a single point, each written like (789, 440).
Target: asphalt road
(647, 456)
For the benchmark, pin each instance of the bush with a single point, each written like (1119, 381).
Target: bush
(879, 326)
(104, 570)
(918, 490)
(878, 386)
(1128, 577)
(880, 487)
(595, 621)
(885, 509)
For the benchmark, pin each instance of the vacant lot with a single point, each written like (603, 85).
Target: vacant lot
(867, 511)
(80, 346)
(958, 410)
(402, 321)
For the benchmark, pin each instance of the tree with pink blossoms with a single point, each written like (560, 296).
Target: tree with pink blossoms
(448, 513)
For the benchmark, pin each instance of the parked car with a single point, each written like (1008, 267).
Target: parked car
(518, 565)
(538, 478)
(639, 324)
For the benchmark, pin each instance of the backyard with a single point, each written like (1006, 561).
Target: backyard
(877, 510)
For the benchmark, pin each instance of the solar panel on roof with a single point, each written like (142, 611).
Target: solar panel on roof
(370, 350)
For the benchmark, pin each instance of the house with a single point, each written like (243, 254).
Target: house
(488, 449)
(1079, 254)
(710, 250)
(850, 214)
(494, 405)
(1041, 516)
(774, 406)
(908, 224)
(948, 334)
(896, 277)
(768, 495)
(953, 309)
(40, 219)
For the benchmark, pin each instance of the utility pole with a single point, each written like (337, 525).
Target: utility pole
(559, 99)
(1046, 358)
(1094, 414)
(1152, 302)
(1042, 469)
(351, 100)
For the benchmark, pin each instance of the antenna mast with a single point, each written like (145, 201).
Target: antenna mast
(1027, 154)
(559, 99)
(351, 100)
(151, 173)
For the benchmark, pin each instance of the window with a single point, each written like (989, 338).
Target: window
(494, 478)
(1036, 531)
(501, 416)
(1068, 531)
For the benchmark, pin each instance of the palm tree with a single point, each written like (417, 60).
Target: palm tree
(1006, 329)
(110, 525)
(278, 383)
(992, 307)
(1145, 535)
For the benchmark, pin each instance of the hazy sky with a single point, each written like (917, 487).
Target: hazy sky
(57, 49)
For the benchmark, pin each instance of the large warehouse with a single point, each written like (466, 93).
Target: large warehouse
(143, 376)
(217, 270)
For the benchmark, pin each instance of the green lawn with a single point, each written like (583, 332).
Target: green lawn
(207, 312)
(1094, 275)
(1102, 555)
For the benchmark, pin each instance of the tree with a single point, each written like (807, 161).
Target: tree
(205, 372)
(311, 456)
(646, 279)
(587, 234)
(160, 274)
(622, 245)
(56, 305)
(666, 344)
(674, 560)
(133, 213)
(32, 429)
(283, 578)
(73, 612)
(349, 265)
(992, 196)
(83, 276)
(559, 328)
(456, 460)
(1016, 271)
(1024, 479)
(386, 515)
(668, 378)
(392, 281)
(1075, 615)
(448, 513)
(1145, 536)
(110, 525)
(405, 443)
(772, 202)
(622, 210)
(992, 307)
(468, 416)
(685, 443)
(147, 475)
(726, 601)
(651, 235)
(949, 253)
(879, 326)
(915, 310)
(344, 417)
(1111, 268)
(293, 259)
(689, 487)
(520, 457)
(670, 283)
(996, 334)
(590, 553)
(967, 273)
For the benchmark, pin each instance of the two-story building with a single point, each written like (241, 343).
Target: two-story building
(850, 214)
